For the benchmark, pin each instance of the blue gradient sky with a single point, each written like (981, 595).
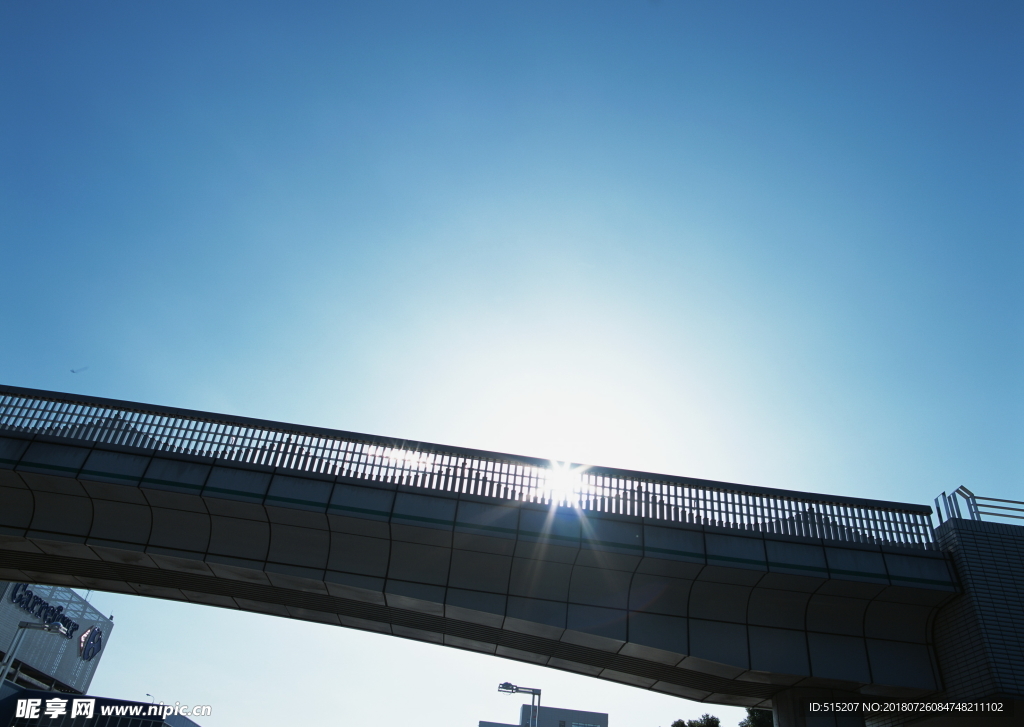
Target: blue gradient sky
(778, 244)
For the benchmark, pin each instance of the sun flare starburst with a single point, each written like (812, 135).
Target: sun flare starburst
(564, 483)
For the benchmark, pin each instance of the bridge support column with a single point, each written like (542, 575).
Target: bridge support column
(807, 708)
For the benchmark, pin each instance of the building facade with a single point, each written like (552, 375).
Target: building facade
(555, 717)
(49, 678)
(45, 660)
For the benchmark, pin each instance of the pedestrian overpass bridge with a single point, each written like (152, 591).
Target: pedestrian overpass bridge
(715, 592)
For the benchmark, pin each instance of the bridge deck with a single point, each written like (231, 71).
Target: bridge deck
(717, 592)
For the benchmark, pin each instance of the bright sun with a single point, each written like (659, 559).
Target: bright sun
(563, 483)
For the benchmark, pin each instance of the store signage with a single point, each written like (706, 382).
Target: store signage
(21, 595)
(90, 643)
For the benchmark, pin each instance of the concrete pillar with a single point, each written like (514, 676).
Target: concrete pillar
(803, 708)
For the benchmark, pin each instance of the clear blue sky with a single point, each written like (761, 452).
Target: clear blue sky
(770, 243)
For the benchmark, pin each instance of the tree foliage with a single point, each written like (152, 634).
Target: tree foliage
(758, 718)
(706, 720)
(754, 718)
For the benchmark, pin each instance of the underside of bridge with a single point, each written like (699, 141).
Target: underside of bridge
(715, 611)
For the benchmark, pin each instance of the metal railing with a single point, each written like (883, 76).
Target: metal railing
(454, 469)
(976, 506)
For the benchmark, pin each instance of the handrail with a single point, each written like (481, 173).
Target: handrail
(456, 469)
(976, 506)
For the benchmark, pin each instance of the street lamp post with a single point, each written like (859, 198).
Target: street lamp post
(54, 628)
(510, 688)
